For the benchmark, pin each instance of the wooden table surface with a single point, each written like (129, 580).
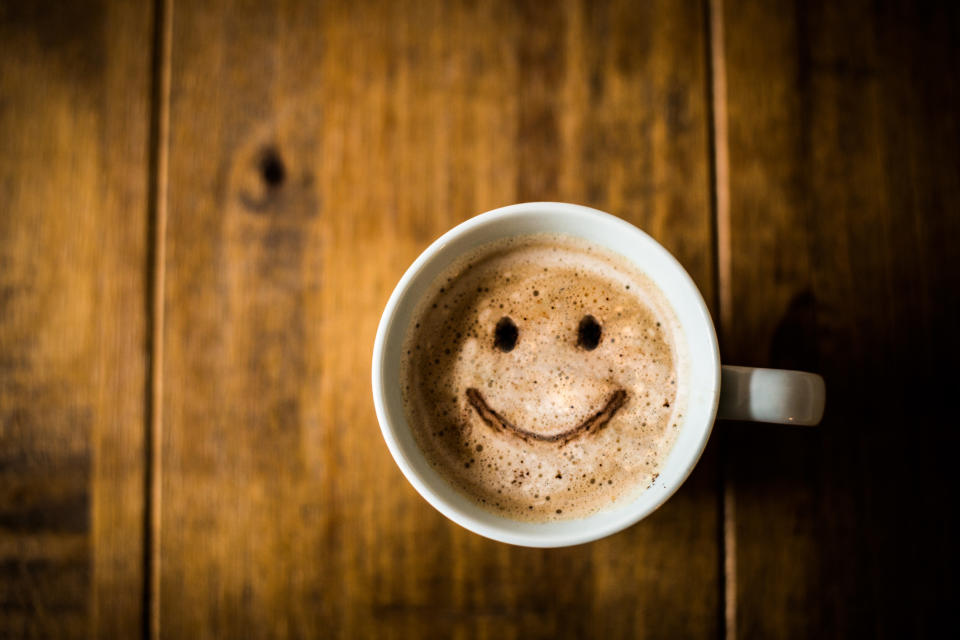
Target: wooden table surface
(204, 207)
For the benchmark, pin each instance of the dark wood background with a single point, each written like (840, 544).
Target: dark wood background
(203, 209)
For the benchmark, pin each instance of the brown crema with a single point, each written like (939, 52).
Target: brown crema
(540, 377)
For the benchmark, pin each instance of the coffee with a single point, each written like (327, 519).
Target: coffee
(543, 377)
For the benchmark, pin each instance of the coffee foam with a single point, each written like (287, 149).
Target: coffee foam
(547, 385)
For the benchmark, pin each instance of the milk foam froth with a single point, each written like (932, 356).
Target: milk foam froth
(549, 429)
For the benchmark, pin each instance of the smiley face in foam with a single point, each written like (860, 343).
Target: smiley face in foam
(541, 378)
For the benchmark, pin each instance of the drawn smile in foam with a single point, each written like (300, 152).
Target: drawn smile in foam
(596, 422)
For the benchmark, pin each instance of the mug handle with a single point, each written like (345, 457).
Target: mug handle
(771, 395)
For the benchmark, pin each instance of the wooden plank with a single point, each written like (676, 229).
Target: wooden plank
(74, 121)
(844, 165)
(315, 150)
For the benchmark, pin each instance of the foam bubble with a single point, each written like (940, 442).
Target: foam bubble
(549, 428)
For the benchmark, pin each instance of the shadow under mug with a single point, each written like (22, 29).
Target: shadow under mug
(737, 393)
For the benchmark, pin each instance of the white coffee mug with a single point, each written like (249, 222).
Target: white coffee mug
(739, 393)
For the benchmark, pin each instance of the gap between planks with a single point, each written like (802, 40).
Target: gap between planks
(720, 191)
(156, 268)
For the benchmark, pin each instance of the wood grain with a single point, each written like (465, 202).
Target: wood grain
(314, 151)
(74, 125)
(844, 183)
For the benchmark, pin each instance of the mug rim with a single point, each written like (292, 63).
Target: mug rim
(451, 511)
